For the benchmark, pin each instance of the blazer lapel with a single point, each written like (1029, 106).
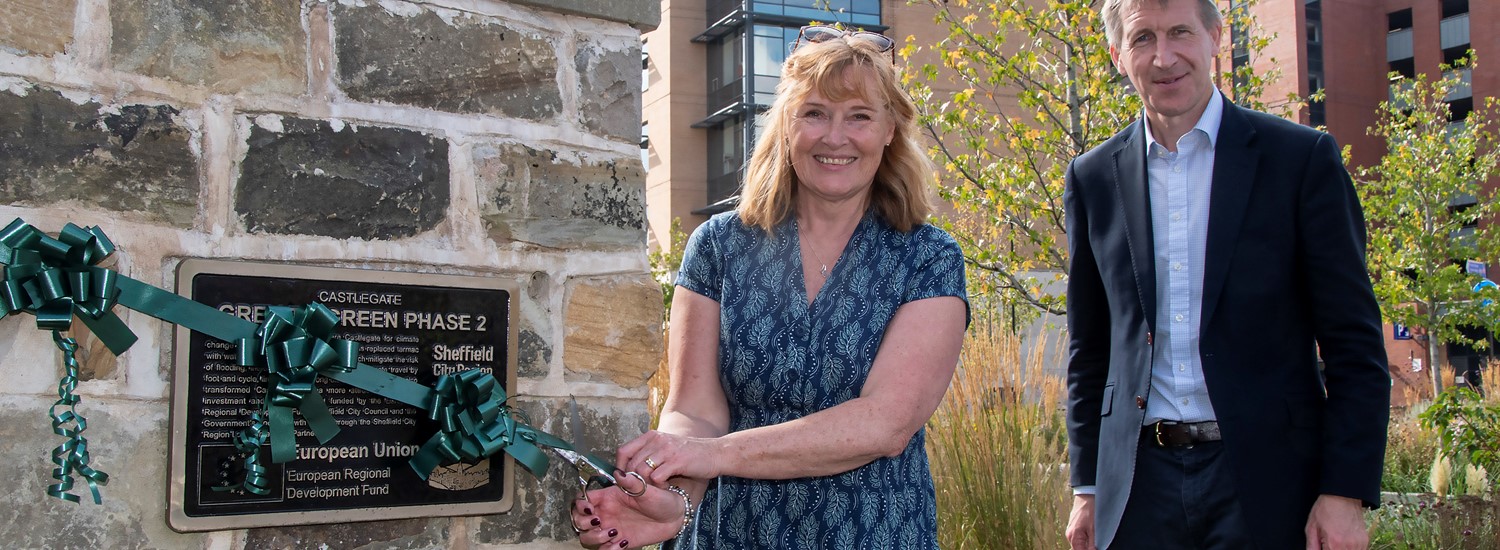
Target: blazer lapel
(1233, 180)
(1134, 197)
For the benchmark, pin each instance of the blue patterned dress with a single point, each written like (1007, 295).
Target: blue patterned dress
(781, 359)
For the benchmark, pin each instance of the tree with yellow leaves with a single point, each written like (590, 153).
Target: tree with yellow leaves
(1428, 210)
(1036, 89)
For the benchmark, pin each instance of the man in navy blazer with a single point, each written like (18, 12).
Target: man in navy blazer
(1215, 253)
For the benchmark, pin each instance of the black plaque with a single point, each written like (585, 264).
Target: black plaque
(417, 326)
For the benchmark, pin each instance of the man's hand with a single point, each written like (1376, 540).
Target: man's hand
(1336, 523)
(1081, 523)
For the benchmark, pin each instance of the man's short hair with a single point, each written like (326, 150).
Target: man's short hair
(1208, 12)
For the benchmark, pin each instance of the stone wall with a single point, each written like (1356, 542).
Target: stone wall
(473, 137)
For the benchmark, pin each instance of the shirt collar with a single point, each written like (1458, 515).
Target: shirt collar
(1208, 122)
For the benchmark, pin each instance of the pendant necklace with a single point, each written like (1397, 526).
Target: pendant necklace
(822, 265)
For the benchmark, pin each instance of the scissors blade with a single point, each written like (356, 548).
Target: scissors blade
(591, 467)
(580, 440)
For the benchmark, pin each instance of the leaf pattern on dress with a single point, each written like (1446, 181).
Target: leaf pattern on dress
(781, 359)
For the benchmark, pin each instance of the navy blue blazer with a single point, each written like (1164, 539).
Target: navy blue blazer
(1284, 280)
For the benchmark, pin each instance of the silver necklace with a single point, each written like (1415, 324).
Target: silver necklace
(822, 265)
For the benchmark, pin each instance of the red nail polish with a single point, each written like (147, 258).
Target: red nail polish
(594, 522)
(588, 511)
(613, 532)
(624, 543)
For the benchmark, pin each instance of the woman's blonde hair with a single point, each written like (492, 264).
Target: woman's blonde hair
(901, 194)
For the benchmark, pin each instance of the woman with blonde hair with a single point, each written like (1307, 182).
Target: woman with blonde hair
(813, 333)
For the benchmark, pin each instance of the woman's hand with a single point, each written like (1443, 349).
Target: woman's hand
(662, 456)
(611, 518)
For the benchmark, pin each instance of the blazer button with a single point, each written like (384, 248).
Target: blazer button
(1140, 402)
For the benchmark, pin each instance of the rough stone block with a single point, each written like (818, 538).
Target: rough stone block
(127, 440)
(541, 506)
(309, 177)
(462, 64)
(542, 198)
(642, 14)
(125, 158)
(610, 89)
(255, 46)
(614, 329)
(393, 534)
(43, 27)
(534, 340)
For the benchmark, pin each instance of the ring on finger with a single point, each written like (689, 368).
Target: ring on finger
(637, 478)
(650, 463)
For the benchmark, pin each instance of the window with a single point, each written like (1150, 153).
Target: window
(725, 69)
(1459, 109)
(1455, 7)
(726, 155)
(1405, 67)
(1398, 20)
(849, 12)
(1455, 54)
(770, 47)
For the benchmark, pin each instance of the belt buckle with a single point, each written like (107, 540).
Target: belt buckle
(1159, 442)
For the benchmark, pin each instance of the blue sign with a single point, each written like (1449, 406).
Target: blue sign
(1475, 267)
(1400, 331)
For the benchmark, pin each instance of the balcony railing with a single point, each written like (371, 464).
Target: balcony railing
(1403, 85)
(1398, 45)
(1454, 31)
(1464, 88)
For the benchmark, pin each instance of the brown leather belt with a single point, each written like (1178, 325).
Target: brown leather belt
(1179, 434)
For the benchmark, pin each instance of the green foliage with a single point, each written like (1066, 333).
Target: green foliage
(665, 261)
(1429, 522)
(1408, 455)
(1036, 88)
(1418, 238)
(1468, 427)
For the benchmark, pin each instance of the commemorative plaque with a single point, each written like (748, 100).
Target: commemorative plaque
(415, 326)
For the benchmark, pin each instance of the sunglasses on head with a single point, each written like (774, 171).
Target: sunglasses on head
(814, 34)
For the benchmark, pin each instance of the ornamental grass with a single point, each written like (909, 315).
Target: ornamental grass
(998, 446)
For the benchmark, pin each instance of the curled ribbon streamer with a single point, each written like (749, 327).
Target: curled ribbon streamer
(73, 455)
(55, 278)
(295, 346)
(474, 423)
(248, 442)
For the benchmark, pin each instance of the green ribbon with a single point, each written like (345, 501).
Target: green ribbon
(73, 455)
(248, 442)
(295, 345)
(55, 278)
(474, 422)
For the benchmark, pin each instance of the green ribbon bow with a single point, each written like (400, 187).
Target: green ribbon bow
(474, 422)
(55, 278)
(52, 279)
(295, 346)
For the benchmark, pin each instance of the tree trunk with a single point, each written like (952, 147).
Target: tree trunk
(1432, 351)
(1432, 363)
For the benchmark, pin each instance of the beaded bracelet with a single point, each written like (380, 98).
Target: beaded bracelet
(687, 509)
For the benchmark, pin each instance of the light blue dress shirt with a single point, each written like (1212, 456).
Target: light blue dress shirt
(1180, 183)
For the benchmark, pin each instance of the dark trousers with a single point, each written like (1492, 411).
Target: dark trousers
(1182, 498)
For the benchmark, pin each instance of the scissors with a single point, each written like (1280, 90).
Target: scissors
(593, 472)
